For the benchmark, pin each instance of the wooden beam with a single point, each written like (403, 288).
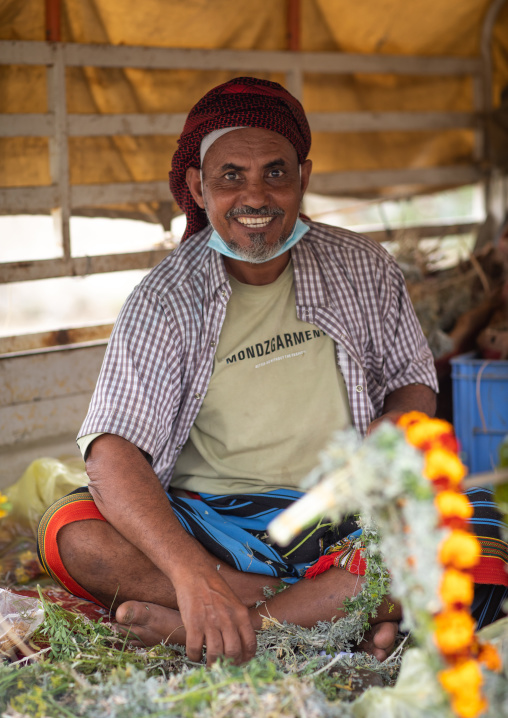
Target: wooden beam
(24, 271)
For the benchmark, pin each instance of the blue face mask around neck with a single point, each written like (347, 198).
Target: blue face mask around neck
(216, 242)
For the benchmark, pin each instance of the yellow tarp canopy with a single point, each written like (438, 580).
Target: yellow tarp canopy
(393, 27)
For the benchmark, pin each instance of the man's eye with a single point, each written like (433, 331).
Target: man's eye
(275, 173)
(231, 175)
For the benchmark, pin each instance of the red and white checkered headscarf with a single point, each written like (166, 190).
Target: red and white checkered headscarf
(245, 102)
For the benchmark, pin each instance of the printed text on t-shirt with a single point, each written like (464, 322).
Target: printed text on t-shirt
(269, 346)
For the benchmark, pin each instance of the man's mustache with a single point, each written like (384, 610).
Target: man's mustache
(263, 211)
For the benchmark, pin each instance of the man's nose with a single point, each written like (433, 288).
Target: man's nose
(255, 193)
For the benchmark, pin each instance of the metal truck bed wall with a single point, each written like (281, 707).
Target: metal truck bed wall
(44, 397)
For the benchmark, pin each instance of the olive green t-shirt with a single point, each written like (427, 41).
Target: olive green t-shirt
(275, 397)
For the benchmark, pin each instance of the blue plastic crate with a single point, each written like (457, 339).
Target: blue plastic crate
(480, 409)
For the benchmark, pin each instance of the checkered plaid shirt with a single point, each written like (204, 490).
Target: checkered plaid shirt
(160, 356)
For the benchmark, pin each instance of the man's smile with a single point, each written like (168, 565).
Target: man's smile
(255, 222)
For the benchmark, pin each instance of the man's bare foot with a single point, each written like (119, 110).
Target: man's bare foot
(380, 640)
(150, 624)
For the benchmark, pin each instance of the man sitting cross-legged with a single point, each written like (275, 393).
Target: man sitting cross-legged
(229, 368)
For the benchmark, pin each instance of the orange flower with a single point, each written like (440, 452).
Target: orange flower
(469, 705)
(431, 432)
(454, 631)
(451, 504)
(490, 658)
(463, 682)
(456, 588)
(441, 463)
(466, 675)
(460, 549)
(411, 417)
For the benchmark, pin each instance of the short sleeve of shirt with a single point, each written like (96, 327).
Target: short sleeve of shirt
(84, 443)
(408, 359)
(137, 393)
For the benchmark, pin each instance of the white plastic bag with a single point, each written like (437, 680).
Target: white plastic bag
(20, 616)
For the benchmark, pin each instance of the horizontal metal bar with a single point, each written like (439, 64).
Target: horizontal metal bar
(16, 125)
(423, 232)
(19, 343)
(79, 266)
(499, 476)
(49, 373)
(332, 183)
(95, 195)
(135, 124)
(172, 124)
(15, 200)
(79, 55)
(21, 52)
(339, 63)
(389, 121)
(18, 199)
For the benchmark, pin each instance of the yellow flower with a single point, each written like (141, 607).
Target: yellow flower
(441, 463)
(5, 506)
(451, 504)
(21, 575)
(490, 657)
(454, 631)
(456, 587)
(460, 549)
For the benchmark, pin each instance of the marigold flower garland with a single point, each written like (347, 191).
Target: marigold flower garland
(454, 628)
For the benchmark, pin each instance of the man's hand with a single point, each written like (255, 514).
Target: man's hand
(130, 497)
(391, 416)
(213, 616)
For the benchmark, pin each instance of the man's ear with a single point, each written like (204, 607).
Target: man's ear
(193, 179)
(306, 169)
